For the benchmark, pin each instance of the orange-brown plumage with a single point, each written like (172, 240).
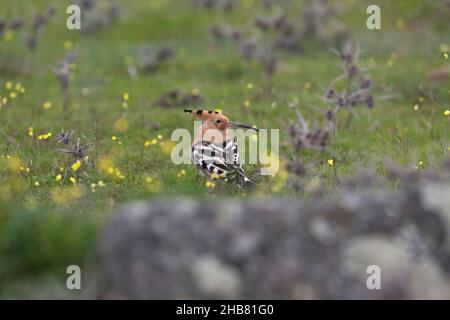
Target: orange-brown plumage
(213, 128)
(212, 152)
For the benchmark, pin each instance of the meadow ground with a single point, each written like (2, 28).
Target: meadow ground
(50, 211)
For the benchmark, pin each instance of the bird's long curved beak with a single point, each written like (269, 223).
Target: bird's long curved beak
(236, 125)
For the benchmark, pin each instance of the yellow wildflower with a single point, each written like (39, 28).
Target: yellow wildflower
(58, 178)
(215, 176)
(47, 105)
(182, 173)
(210, 184)
(76, 165)
(45, 136)
(330, 162)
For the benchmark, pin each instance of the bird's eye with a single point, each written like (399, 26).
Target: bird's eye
(218, 121)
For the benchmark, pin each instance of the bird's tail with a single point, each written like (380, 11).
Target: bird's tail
(242, 180)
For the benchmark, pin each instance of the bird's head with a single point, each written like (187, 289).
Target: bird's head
(216, 120)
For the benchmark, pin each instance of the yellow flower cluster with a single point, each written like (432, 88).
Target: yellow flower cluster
(182, 173)
(23, 169)
(14, 90)
(154, 141)
(209, 184)
(45, 136)
(125, 99)
(445, 49)
(116, 172)
(30, 132)
(116, 139)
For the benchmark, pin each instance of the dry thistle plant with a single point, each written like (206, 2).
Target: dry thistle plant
(98, 14)
(77, 151)
(350, 89)
(358, 86)
(28, 30)
(399, 176)
(39, 20)
(320, 22)
(225, 5)
(77, 156)
(264, 42)
(148, 61)
(176, 98)
(63, 73)
(272, 35)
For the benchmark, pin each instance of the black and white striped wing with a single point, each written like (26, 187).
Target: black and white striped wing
(210, 158)
(221, 160)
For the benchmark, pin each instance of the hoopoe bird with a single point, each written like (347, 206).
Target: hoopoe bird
(215, 155)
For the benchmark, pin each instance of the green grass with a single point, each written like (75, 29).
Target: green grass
(45, 233)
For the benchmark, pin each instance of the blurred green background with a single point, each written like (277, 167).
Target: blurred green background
(116, 82)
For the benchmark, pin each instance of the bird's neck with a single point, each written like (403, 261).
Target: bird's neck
(207, 133)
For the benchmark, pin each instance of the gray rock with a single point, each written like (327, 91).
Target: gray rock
(278, 248)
